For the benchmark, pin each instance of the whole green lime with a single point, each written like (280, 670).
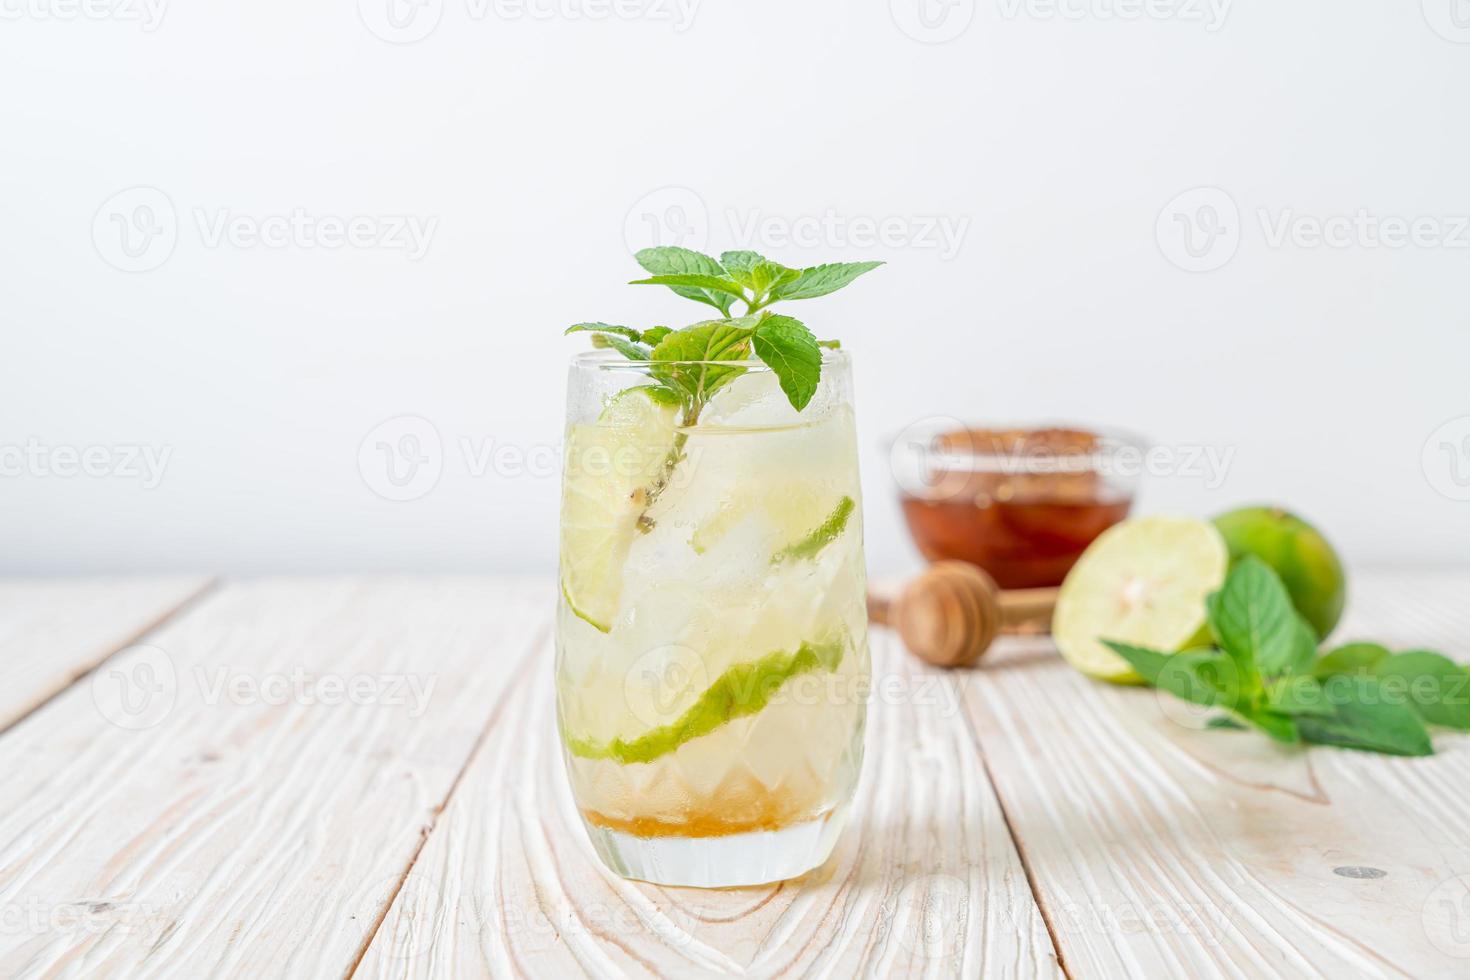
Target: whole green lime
(1298, 552)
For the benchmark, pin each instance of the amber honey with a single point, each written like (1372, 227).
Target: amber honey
(1022, 504)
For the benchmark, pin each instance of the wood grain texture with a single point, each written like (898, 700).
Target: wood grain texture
(52, 632)
(257, 825)
(1159, 849)
(924, 882)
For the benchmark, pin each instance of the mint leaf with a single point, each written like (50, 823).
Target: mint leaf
(654, 334)
(789, 348)
(819, 280)
(710, 284)
(740, 264)
(702, 343)
(1280, 727)
(1299, 695)
(1198, 676)
(612, 328)
(812, 545)
(1364, 718)
(1350, 658)
(1225, 721)
(830, 344)
(1148, 664)
(1254, 621)
(630, 350)
(671, 261)
(1434, 686)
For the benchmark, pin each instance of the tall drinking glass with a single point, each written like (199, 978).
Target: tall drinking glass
(712, 662)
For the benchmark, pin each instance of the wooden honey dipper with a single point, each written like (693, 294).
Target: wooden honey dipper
(952, 611)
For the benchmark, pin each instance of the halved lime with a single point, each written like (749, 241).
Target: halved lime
(1142, 582)
(611, 467)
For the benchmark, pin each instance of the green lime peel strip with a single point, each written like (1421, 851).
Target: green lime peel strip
(812, 545)
(742, 690)
(579, 613)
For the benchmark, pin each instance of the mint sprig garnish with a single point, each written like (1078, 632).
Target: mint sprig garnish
(784, 343)
(1265, 672)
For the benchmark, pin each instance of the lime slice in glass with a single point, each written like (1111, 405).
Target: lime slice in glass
(1142, 582)
(611, 467)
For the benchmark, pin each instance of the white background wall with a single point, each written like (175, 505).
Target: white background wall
(545, 144)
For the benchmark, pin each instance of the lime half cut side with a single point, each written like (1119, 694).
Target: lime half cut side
(611, 468)
(1142, 582)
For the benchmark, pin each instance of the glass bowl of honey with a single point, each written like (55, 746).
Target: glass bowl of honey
(1022, 503)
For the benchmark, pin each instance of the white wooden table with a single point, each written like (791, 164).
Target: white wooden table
(357, 777)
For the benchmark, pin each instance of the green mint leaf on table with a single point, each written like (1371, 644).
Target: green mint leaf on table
(1350, 658)
(670, 261)
(1198, 676)
(1298, 695)
(1368, 718)
(1254, 621)
(790, 350)
(1282, 728)
(609, 328)
(1434, 686)
(812, 545)
(819, 280)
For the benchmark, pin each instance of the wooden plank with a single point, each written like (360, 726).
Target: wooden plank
(924, 882)
(1160, 849)
(54, 631)
(261, 821)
